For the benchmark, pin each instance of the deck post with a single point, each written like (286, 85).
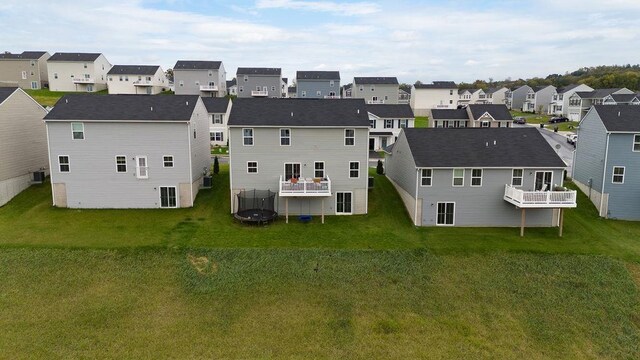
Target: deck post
(522, 217)
(561, 221)
(322, 210)
(286, 209)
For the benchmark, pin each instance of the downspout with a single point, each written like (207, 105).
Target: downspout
(415, 210)
(190, 164)
(366, 199)
(604, 172)
(231, 172)
(53, 193)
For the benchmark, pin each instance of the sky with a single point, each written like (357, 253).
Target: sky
(412, 40)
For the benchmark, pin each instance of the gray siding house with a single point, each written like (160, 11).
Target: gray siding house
(196, 77)
(313, 153)
(27, 70)
(318, 84)
(474, 115)
(478, 177)
(386, 121)
(607, 160)
(23, 142)
(581, 101)
(538, 99)
(514, 98)
(259, 82)
(127, 151)
(376, 90)
(218, 109)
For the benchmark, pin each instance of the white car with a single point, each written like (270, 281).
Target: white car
(572, 139)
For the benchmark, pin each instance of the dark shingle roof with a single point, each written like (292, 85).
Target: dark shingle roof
(123, 107)
(306, 112)
(231, 83)
(449, 114)
(285, 80)
(624, 98)
(564, 89)
(5, 92)
(437, 85)
(26, 55)
(474, 147)
(197, 65)
(133, 70)
(497, 111)
(540, 87)
(258, 71)
(494, 89)
(376, 80)
(74, 57)
(597, 93)
(391, 110)
(619, 117)
(318, 75)
(215, 104)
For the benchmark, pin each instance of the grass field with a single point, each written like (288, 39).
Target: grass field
(544, 119)
(45, 97)
(421, 122)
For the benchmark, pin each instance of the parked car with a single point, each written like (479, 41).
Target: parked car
(558, 119)
(519, 120)
(572, 139)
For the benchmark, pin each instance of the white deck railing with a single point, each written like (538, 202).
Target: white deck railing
(332, 97)
(375, 102)
(82, 80)
(208, 88)
(540, 199)
(259, 93)
(305, 187)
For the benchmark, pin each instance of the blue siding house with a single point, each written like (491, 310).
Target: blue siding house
(318, 84)
(607, 160)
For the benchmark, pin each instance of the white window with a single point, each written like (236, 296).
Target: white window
(126, 78)
(618, 175)
(354, 169)
(85, 65)
(516, 177)
(121, 164)
(216, 136)
(446, 213)
(458, 177)
(291, 170)
(34, 84)
(636, 142)
(122, 78)
(217, 118)
(181, 83)
(24, 75)
(476, 177)
(485, 124)
(285, 137)
(450, 92)
(197, 83)
(167, 161)
(426, 177)
(246, 78)
(241, 89)
(403, 123)
(332, 83)
(350, 137)
(373, 88)
(33, 63)
(55, 75)
(110, 78)
(273, 88)
(77, 131)
(318, 93)
(63, 162)
(372, 123)
(210, 73)
(361, 88)
(318, 169)
(343, 202)
(142, 169)
(252, 167)
(168, 198)
(388, 123)
(304, 93)
(247, 137)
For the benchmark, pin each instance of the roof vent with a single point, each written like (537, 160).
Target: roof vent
(187, 103)
(152, 108)
(66, 101)
(292, 114)
(618, 113)
(495, 143)
(486, 144)
(358, 111)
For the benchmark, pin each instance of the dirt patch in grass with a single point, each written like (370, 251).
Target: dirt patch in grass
(202, 264)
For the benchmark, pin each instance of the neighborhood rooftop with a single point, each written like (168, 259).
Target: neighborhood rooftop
(564, 89)
(258, 71)
(597, 93)
(376, 80)
(619, 117)
(391, 110)
(478, 147)
(74, 56)
(133, 70)
(437, 85)
(497, 111)
(197, 65)
(26, 55)
(625, 98)
(123, 107)
(318, 75)
(5, 92)
(449, 114)
(216, 104)
(299, 112)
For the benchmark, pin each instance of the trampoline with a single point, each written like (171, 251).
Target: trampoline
(256, 206)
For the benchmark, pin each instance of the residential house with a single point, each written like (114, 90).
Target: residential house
(606, 163)
(386, 121)
(472, 96)
(347, 91)
(538, 99)
(376, 90)
(218, 109)
(621, 99)
(284, 86)
(127, 151)
(514, 98)
(581, 101)
(318, 84)
(497, 95)
(232, 87)
(23, 142)
(259, 82)
(474, 115)
(292, 92)
(27, 70)
(494, 177)
(197, 77)
(438, 95)
(313, 153)
(559, 105)
(136, 79)
(403, 96)
(81, 72)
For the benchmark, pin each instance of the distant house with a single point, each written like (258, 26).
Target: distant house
(136, 79)
(438, 95)
(318, 84)
(27, 70)
(497, 96)
(607, 160)
(292, 92)
(538, 99)
(347, 91)
(127, 151)
(403, 96)
(472, 96)
(376, 90)
(474, 115)
(218, 109)
(284, 86)
(560, 98)
(581, 101)
(81, 72)
(197, 77)
(489, 177)
(515, 98)
(312, 153)
(259, 82)
(621, 99)
(386, 121)
(232, 87)
(23, 142)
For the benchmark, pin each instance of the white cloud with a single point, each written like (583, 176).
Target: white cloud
(471, 62)
(339, 8)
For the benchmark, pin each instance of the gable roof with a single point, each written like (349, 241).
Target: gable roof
(437, 85)
(258, 71)
(474, 147)
(5, 92)
(540, 87)
(317, 75)
(215, 104)
(619, 117)
(133, 70)
(624, 98)
(391, 110)
(376, 80)
(564, 89)
(597, 93)
(59, 56)
(497, 111)
(25, 55)
(495, 89)
(123, 107)
(197, 65)
(231, 83)
(299, 112)
(449, 114)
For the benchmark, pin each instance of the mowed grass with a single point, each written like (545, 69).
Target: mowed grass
(293, 303)
(421, 122)
(544, 119)
(46, 97)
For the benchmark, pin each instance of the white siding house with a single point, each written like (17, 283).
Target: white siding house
(136, 79)
(81, 72)
(439, 95)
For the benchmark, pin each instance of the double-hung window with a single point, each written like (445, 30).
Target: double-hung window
(636, 142)
(318, 169)
(247, 137)
(63, 162)
(372, 123)
(142, 169)
(349, 137)
(403, 123)
(618, 175)
(285, 137)
(354, 169)
(426, 177)
(121, 164)
(252, 167)
(388, 123)
(217, 118)
(476, 177)
(516, 177)
(77, 131)
(216, 136)
(458, 177)
(167, 161)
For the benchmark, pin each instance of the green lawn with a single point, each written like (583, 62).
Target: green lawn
(421, 122)
(219, 150)
(45, 97)
(544, 119)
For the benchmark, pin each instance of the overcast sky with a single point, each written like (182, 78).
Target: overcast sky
(413, 40)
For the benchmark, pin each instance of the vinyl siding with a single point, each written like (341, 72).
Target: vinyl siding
(590, 153)
(400, 167)
(11, 72)
(189, 78)
(311, 87)
(624, 199)
(97, 70)
(380, 90)
(158, 82)
(262, 81)
(200, 146)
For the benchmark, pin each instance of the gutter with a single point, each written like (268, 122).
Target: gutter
(604, 173)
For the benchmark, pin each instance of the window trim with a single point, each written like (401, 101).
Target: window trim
(521, 177)
(349, 137)
(68, 163)
(248, 167)
(284, 169)
(74, 131)
(246, 137)
(126, 165)
(453, 223)
(423, 177)
(164, 165)
(635, 142)
(336, 204)
(285, 137)
(350, 169)
(386, 121)
(324, 173)
(168, 201)
(453, 177)
(472, 177)
(613, 175)
(146, 161)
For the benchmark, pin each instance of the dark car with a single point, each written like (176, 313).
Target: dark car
(519, 120)
(558, 119)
